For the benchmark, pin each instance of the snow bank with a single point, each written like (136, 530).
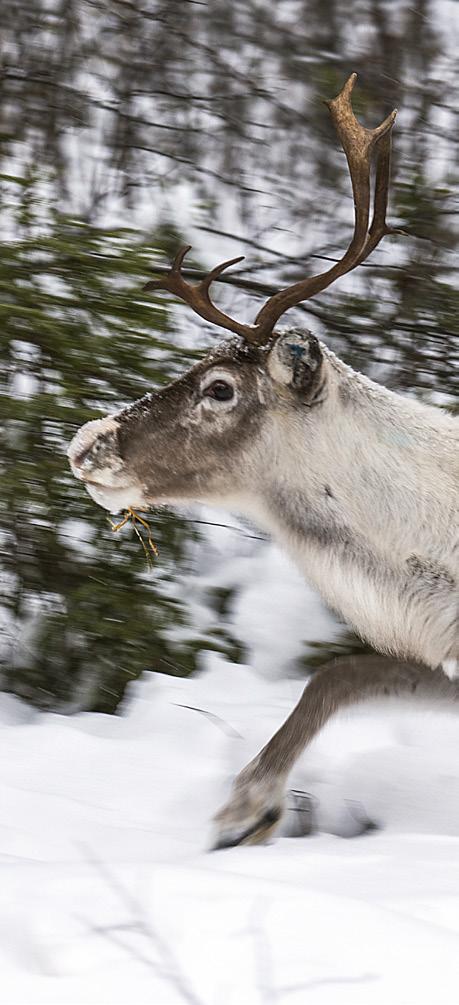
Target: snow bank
(110, 895)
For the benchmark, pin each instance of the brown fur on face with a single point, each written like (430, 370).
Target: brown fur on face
(179, 445)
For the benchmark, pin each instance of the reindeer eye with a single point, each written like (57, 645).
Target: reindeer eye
(220, 391)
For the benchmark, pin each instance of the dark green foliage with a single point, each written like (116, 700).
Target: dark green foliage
(78, 337)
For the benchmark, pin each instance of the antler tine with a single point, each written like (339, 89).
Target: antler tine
(217, 271)
(173, 282)
(356, 146)
(379, 226)
(178, 260)
(379, 138)
(359, 144)
(197, 294)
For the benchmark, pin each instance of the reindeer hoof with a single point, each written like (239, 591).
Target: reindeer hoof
(251, 814)
(255, 833)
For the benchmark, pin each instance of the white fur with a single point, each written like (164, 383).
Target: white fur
(84, 439)
(451, 668)
(117, 499)
(110, 489)
(393, 467)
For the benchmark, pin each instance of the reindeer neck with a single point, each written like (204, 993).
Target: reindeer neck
(363, 494)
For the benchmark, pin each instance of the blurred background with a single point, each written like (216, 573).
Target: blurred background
(127, 129)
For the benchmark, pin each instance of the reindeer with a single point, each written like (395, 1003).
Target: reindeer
(358, 483)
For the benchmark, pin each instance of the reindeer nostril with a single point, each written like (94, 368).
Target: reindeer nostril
(80, 458)
(102, 451)
(94, 446)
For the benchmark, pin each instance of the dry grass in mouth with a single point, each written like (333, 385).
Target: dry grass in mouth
(147, 542)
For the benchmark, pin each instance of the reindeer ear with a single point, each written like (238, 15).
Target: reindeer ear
(296, 360)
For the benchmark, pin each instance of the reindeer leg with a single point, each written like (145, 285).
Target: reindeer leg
(257, 800)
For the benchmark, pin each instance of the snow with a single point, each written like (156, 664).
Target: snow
(274, 612)
(109, 891)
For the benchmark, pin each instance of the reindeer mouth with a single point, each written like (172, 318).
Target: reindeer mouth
(102, 485)
(109, 492)
(115, 498)
(95, 460)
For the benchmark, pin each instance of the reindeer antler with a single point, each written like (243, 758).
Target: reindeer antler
(359, 144)
(197, 294)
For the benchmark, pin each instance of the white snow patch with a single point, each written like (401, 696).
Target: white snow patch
(110, 895)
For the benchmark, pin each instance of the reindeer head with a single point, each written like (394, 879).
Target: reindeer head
(212, 434)
(198, 437)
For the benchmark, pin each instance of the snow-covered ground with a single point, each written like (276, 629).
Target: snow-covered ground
(109, 893)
